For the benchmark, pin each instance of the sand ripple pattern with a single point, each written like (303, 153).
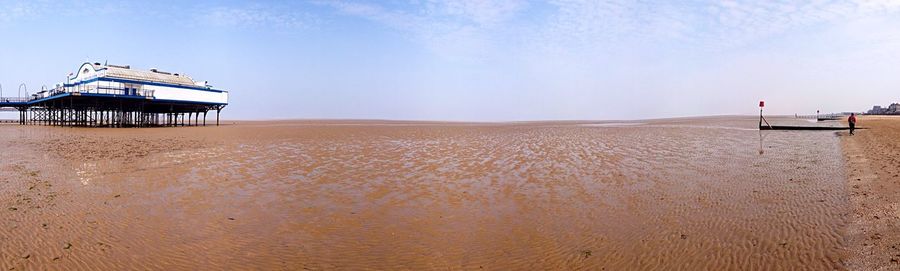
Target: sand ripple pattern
(663, 195)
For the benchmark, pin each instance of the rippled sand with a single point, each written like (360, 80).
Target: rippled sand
(707, 193)
(873, 157)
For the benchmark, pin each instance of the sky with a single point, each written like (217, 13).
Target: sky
(477, 60)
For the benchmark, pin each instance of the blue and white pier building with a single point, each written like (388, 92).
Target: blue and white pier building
(119, 96)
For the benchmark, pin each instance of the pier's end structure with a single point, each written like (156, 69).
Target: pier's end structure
(117, 96)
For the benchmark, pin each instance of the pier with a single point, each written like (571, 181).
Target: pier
(117, 96)
(823, 117)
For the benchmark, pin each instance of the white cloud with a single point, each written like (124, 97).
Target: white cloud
(481, 12)
(453, 29)
(255, 16)
(247, 15)
(21, 11)
(715, 25)
(13, 10)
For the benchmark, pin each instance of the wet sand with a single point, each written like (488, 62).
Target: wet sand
(705, 193)
(873, 157)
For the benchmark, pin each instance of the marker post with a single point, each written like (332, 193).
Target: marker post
(761, 118)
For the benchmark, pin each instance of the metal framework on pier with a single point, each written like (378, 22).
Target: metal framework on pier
(86, 110)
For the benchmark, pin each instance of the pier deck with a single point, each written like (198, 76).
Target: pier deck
(109, 110)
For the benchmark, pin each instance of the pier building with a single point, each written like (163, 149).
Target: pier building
(118, 96)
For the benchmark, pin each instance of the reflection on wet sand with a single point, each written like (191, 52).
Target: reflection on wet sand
(665, 194)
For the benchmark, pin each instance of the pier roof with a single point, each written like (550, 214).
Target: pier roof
(123, 73)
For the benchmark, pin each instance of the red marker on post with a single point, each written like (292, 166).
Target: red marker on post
(761, 118)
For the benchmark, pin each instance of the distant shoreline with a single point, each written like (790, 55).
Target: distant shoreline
(349, 121)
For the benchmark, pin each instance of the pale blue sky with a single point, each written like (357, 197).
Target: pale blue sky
(478, 60)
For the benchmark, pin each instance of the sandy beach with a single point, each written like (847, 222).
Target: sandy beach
(449, 135)
(873, 158)
(702, 193)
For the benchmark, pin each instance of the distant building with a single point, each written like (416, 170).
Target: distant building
(877, 110)
(894, 108)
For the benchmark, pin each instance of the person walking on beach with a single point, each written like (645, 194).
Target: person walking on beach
(852, 121)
